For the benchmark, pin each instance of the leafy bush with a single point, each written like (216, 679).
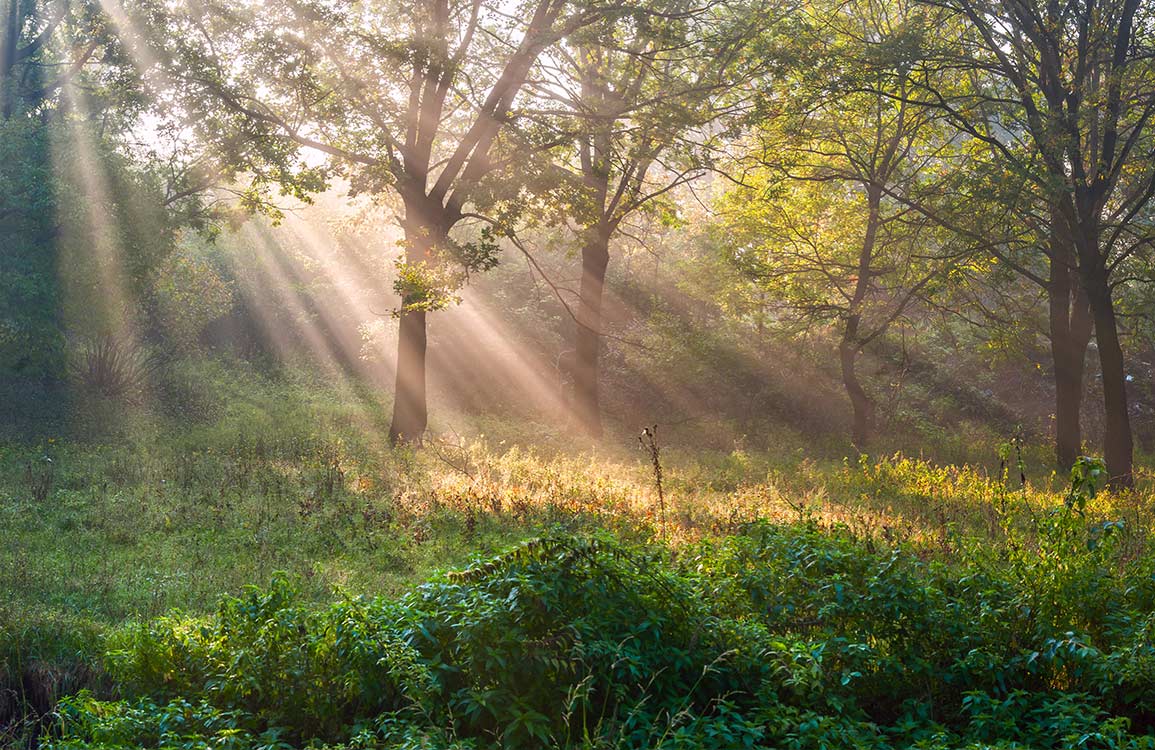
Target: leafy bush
(267, 659)
(779, 636)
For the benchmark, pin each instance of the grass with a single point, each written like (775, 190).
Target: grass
(135, 530)
(155, 516)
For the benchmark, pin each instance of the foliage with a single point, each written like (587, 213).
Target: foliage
(893, 602)
(30, 338)
(191, 292)
(779, 635)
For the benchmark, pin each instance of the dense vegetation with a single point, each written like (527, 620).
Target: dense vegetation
(776, 636)
(475, 593)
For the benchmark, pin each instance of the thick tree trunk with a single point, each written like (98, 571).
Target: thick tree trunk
(1070, 334)
(861, 404)
(1117, 442)
(586, 402)
(410, 406)
(423, 234)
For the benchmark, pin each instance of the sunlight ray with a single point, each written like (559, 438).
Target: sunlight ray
(93, 234)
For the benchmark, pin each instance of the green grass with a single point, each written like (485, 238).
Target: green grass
(136, 516)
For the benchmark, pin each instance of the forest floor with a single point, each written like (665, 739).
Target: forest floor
(1047, 591)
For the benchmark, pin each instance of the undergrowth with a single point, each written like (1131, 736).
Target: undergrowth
(763, 600)
(780, 635)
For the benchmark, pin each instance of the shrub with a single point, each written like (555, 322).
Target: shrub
(779, 636)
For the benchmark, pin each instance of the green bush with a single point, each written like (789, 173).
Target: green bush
(779, 636)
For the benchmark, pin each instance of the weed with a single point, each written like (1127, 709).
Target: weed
(649, 442)
(115, 368)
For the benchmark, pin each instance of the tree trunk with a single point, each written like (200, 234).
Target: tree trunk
(586, 404)
(861, 404)
(1070, 333)
(11, 18)
(851, 345)
(410, 405)
(1117, 442)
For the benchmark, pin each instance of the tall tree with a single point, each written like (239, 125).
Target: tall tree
(1029, 245)
(1064, 92)
(63, 73)
(639, 97)
(404, 98)
(848, 187)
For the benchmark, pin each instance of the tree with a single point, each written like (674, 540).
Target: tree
(62, 74)
(1064, 93)
(846, 194)
(638, 98)
(1030, 248)
(1022, 253)
(409, 99)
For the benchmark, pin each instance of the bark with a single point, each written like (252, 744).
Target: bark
(850, 347)
(1070, 334)
(595, 168)
(410, 406)
(587, 405)
(1117, 440)
(862, 423)
(10, 18)
(1118, 445)
(425, 230)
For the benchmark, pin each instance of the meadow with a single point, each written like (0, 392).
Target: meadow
(274, 575)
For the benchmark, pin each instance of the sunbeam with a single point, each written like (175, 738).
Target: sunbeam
(96, 263)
